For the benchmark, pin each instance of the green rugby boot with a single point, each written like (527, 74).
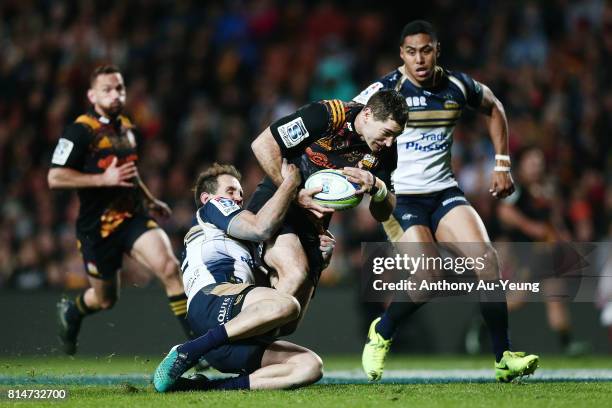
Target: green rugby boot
(515, 364)
(170, 370)
(374, 353)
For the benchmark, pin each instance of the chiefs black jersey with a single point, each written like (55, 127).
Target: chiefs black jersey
(89, 145)
(322, 135)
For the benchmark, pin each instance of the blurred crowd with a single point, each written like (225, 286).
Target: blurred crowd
(204, 78)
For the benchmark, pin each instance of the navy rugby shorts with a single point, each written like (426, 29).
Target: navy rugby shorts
(217, 304)
(422, 209)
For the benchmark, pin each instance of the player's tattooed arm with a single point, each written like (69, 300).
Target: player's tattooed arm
(502, 184)
(261, 226)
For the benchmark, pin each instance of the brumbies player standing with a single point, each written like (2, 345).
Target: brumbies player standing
(430, 205)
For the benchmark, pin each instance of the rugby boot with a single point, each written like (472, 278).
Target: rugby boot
(69, 322)
(515, 364)
(374, 353)
(170, 370)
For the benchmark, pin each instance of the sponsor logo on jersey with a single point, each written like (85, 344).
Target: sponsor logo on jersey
(292, 133)
(451, 104)
(225, 205)
(437, 142)
(415, 101)
(62, 151)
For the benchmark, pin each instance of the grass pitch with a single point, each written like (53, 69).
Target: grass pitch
(440, 381)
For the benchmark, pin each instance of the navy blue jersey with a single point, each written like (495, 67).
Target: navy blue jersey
(423, 149)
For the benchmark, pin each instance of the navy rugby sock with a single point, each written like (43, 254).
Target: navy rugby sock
(196, 348)
(235, 383)
(393, 317)
(494, 311)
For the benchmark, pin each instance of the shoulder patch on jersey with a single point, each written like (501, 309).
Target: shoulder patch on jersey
(292, 133)
(62, 151)
(367, 93)
(88, 121)
(225, 205)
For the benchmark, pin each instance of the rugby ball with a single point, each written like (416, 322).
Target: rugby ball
(338, 193)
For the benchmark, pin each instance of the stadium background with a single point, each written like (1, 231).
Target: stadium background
(205, 78)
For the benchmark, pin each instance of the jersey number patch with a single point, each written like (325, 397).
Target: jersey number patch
(293, 132)
(62, 151)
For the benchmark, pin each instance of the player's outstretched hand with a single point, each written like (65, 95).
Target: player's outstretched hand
(305, 200)
(291, 173)
(501, 184)
(363, 178)
(160, 208)
(119, 176)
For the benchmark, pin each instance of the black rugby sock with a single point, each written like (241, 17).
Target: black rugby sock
(393, 317)
(494, 311)
(178, 305)
(81, 309)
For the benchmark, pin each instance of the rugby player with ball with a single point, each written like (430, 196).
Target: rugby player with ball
(352, 139)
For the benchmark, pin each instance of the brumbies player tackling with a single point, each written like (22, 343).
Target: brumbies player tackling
(235, 319)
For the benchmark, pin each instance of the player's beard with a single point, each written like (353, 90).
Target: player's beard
(113, 110)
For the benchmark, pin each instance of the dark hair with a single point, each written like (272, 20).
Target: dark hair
(419, 27)
(102, 70)
(387, 104)
(207, 180)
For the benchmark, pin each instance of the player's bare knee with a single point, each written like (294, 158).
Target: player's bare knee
(310, 368)
(490, 264)
(289, 308)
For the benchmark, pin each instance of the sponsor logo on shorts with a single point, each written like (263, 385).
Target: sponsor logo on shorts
(92, 269)
(293, 133)
(408, 217)
(223, 310)
(238, 299)
(452, 200)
